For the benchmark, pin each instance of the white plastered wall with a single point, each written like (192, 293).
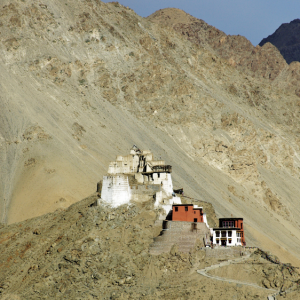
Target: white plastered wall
(115, 190)
(167, 186)
(233, 238)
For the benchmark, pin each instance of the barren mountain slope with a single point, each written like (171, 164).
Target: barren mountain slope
(287, 39)
(261, 62)
(83, 81)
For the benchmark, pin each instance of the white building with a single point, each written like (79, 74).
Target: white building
(229, 233)
(138, 177)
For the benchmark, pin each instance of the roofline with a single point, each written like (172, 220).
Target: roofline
(230, 219)
(227, 228)
(187, 205)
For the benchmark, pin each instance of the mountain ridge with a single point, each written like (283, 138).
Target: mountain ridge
(263, 61)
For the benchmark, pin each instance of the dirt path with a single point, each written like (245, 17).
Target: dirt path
(226, 263)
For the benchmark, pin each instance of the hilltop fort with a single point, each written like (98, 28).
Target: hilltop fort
(138, 177)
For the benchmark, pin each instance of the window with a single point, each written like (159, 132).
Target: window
(194, 212)
(195, 220)
(158, 175)
(238, 240)
(186, 208)
(238, 234)
(176, 208)
(223, 233)
(217, 241)
(229, 233)
(217, 233)
(229, 241)
(227, 223)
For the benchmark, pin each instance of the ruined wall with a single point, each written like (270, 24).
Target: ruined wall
(142, 193)
(124, 164)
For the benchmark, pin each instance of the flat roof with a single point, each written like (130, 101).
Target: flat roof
(187, 205)
(226, 228)
(228, 219)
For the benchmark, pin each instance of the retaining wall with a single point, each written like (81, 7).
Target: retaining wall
(225, 252)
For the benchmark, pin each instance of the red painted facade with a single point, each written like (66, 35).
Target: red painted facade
(187, 213)
(234, 223)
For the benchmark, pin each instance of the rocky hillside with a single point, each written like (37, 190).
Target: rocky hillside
(263, 61)
(287, 39)
(92, 252)
(83, 81)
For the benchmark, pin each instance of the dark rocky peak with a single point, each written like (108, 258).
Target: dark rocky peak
(287, 39)
(295, 21)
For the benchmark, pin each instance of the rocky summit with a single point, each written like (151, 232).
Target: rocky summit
(81, 82)
(287, 39)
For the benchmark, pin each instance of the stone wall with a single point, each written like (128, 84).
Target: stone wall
(184, 234)
(141, 188)
(124, 164)
(142, 193)
(225, 252)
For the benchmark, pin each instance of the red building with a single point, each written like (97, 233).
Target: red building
(187, 213)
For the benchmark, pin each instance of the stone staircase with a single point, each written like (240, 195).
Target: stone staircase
(183, 234)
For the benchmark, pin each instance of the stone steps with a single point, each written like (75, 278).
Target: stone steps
(181, 234)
